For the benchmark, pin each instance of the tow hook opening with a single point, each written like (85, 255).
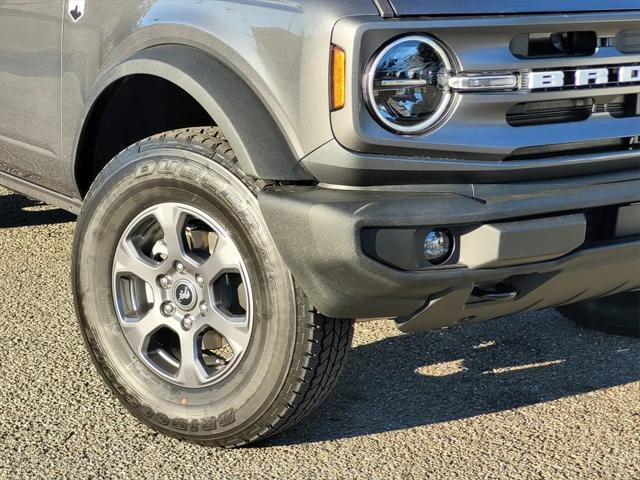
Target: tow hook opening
(492, 292)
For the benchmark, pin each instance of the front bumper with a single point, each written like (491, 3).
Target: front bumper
(319, 231)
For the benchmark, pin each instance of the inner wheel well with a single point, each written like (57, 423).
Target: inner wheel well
(130, 109)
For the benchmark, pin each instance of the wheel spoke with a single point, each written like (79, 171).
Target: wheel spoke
(234, 329)
(170, 217)
(138, 332)
(226, 257)
(189, 373)
(128, 261)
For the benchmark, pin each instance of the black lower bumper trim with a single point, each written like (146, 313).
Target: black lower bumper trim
(587, 274)
(318, 233)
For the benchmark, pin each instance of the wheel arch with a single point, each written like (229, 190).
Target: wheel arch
(258, 141)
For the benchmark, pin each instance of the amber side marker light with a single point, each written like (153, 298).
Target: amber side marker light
(338, 65)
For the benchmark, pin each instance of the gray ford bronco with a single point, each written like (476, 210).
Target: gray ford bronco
(252, 175)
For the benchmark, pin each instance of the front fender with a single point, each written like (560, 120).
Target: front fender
(257, 140)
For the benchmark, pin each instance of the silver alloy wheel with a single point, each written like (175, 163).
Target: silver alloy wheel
(182, 295)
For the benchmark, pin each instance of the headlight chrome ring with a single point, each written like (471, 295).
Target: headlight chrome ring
(403, 87)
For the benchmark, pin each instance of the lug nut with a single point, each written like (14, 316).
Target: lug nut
(204, 309)
(187, 322)
(179, 267)
(168, 309)
(200, 280)
(165, 282)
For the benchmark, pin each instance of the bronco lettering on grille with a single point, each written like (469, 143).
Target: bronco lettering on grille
(584, 77)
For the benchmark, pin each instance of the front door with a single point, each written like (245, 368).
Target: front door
(30, 46)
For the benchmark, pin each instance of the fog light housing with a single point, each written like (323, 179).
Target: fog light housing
(438, 245)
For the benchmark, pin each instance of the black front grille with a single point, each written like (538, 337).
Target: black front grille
(575, 148)
(574, 110)
(628, 41)
(546, 113)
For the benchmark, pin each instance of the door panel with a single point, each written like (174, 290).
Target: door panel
(30, 56)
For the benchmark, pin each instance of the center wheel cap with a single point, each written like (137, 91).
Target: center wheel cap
(185, 295)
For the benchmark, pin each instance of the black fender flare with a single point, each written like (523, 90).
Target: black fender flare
(257, 140)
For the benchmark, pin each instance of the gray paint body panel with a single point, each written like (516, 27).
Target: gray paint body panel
(30, 39)
(279, 49)
(467, 7)
(262, 41)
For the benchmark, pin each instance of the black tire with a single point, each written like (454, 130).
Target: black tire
(294, 355)
(618, 314)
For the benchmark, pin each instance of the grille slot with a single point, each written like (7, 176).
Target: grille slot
(574, 110)
(574, 148)
(628, 41)
(629, 107)
(546, 113)
(554, 44)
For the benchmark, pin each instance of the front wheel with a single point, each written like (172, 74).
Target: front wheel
(186, 307)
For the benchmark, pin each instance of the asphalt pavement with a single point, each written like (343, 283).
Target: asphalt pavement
(528, 396)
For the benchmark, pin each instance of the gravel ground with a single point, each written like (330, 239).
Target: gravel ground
(529, 396)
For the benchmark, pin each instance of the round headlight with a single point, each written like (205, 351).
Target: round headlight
(402, 84)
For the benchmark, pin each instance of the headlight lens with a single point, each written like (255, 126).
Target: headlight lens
(402, 84)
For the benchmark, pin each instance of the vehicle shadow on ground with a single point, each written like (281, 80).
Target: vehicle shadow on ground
(19, 211)
(427, 378)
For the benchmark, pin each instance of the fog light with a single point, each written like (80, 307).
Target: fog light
(437, 245)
